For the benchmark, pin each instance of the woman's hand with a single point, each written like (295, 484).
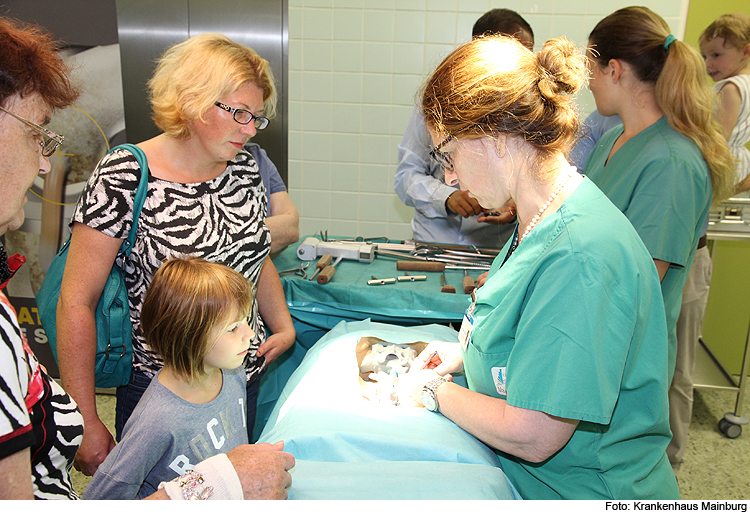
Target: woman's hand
(276, 344)
(95, 446)
(505, 215)
(410, 385)
(275, 314)
(263, 470)
(441, 356)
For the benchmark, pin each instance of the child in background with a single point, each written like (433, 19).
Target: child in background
(725, 46)
(195, 317)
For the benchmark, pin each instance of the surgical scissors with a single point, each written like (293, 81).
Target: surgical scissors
(300, 270)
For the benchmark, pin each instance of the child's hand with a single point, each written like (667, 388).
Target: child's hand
(263, 470)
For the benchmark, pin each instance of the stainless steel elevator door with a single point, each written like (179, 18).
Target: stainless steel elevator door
(147, 28)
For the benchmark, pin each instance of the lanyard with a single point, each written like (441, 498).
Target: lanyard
(512, 247)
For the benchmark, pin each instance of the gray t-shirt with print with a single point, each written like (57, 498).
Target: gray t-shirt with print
(166, 436)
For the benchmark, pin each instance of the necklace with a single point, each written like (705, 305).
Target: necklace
(544, 207)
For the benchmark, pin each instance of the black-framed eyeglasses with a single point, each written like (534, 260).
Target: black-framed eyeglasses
(49, 142)
(243, 117)
(444, 158)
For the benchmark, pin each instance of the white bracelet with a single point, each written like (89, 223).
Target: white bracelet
(218, 471)
(188, 486)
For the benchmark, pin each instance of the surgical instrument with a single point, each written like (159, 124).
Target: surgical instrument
(412, 278)
(410, 265)
(453, 260)
(468, 283)
(378, 282)
(323, 261)
(311, 248)
(327, 273)
(300, 270)
(426, 250)
(446, 288)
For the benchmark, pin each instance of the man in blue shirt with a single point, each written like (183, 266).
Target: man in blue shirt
(444, 213)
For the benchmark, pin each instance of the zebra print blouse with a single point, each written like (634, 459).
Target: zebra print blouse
(35, 412)
(221, 220)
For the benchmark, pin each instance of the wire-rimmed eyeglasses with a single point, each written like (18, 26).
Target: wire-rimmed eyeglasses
(444, 158)
(49, 142)
(243, 117)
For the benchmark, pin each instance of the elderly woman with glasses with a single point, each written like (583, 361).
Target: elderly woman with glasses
(209, 96)
(565, 347)
(33, 463)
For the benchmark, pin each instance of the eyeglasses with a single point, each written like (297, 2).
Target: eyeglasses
(243, 117)
(444, 158)
(50, 140)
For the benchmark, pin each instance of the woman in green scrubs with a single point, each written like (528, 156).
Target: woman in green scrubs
(661, 168)
(660, 165)
(565, 347)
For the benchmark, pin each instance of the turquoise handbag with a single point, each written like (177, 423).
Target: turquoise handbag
(114, 344)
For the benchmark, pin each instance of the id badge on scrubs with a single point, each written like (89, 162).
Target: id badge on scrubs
(467, 327)
(498, 376)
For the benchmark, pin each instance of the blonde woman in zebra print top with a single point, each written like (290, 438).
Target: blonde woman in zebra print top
(205, 199)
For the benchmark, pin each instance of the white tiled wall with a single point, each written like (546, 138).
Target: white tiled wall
(355, 67)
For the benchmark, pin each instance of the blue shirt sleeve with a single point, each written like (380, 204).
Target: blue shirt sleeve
(592, 130)
(268, 171)
(418, 178)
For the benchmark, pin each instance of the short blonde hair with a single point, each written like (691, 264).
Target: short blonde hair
(187, 300)
(192, 75)
(494, 85)
(733, 28)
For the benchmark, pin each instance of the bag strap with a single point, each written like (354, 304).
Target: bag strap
(140, 193)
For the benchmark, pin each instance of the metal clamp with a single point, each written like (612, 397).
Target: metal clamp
(300, 270)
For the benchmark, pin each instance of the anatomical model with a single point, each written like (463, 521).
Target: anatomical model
(381, 368)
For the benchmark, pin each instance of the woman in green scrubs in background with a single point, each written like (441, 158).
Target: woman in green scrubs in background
(659, 167)
(565, 347)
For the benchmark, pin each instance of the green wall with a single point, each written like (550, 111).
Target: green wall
(725, 326)
(702, 12)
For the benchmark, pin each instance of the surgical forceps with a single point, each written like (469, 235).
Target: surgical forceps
(427, 250)
(300, 270)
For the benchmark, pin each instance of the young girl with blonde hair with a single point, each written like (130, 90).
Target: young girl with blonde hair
(195, 317)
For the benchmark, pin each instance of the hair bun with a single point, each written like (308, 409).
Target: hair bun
(563, 68)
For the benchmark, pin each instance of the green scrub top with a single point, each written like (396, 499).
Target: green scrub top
(572, 325)
(661, 182)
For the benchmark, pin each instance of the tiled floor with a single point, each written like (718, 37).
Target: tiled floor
(715, 467)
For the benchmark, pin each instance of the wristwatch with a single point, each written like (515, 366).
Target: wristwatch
(429, 394)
